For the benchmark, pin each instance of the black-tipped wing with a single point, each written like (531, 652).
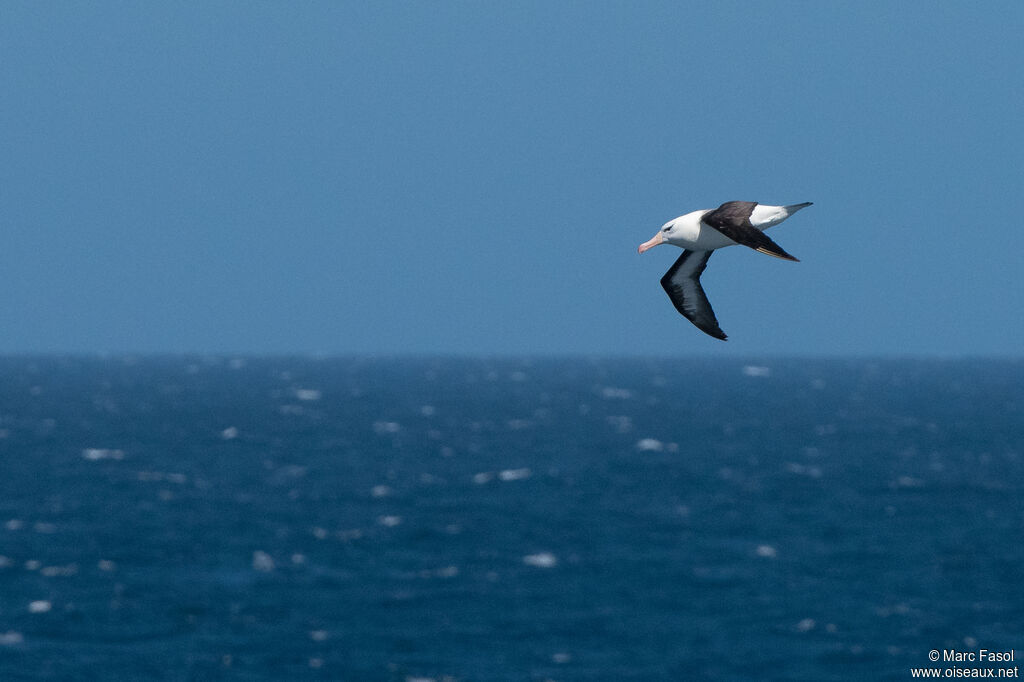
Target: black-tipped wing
(682, 284)
(733, 220)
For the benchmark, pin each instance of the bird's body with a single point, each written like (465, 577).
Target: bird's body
(702, 232)
(691, 233)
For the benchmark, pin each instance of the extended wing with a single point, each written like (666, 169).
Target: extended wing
(733, 220)
(682, 284)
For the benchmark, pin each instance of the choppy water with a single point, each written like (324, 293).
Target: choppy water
(455, 519)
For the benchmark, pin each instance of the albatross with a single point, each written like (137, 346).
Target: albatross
(701, 232)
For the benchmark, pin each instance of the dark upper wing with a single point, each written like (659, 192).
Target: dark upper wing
(682, 284)
(733, 220)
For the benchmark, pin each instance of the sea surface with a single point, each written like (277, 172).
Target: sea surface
(446, 519)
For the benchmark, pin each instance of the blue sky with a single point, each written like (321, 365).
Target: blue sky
(475, 177)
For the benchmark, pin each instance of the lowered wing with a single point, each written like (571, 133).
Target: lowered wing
(682, 284)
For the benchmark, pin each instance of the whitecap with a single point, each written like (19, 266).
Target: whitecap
(308, 394)
(229, 433)
(382, 427)
(757, 371)
(389, 521)
(11, 638)
(650, 445)
(612, 393)
(40, 606)
(541, 560)
(515, 474)
(96, 454)
(806, 625)
(262, 562)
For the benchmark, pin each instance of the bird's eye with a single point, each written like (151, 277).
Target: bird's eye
(666, 228)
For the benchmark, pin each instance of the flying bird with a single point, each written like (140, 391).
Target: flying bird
(701, 232)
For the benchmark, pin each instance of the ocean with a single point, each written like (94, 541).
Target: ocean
(461, 519)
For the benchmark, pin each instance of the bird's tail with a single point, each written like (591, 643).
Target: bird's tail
(790, 210)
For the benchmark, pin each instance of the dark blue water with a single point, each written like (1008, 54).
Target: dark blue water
(451, 519)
